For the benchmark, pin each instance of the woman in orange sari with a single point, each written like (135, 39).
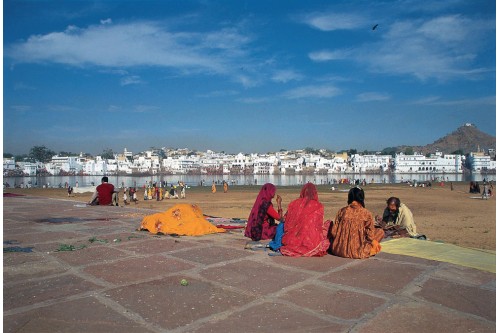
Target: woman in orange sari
(354, 234)
(306, 234)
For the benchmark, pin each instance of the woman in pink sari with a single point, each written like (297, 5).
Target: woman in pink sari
(306, 234)
(261, 222)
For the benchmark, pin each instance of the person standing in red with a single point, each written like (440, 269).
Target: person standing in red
(105, 194)
(261, 222)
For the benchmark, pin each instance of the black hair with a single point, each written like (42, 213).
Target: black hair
(394, 200)
(104, 179)
(356, 194)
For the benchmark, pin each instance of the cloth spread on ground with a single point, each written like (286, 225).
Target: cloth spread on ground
(181, 219)
(474, 258)
(226, 223)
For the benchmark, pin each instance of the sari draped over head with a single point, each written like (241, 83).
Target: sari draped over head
(257, 228)
(306, 234)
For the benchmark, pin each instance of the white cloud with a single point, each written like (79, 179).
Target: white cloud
(219, 93)
(21, 108)
(285, 76)
(62, 108)
(326, 55)
(335, 21)
(106, 21)
(438, 101)
(312, 91)
(145, 108)
(441, 48)
(372, 97)
(138, 44)
(131, 79)
(254, 100)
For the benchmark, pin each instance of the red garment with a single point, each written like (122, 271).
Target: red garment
(305, 234)
(260, 222)
(105, 193)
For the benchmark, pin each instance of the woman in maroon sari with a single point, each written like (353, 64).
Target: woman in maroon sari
(261, 222)
(306, 234)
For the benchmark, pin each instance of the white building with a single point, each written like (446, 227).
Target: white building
(64, 163)
(9, 164)
(480, 162)
(435, 163)
(97, 167)
(363, 163)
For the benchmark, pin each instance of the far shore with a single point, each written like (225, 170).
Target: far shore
(442, 214)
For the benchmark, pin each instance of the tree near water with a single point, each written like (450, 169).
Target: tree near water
(108, 154)
(41, 154)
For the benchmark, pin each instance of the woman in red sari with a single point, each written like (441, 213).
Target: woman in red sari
(261, 222)
(306, 234)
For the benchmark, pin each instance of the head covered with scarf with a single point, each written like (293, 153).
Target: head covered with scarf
(309, 192)
(259, 211)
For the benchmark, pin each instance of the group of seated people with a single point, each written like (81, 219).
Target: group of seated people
(303, 232)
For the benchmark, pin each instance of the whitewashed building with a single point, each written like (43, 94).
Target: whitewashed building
(480, 162)
(418, 163)
(363, 163)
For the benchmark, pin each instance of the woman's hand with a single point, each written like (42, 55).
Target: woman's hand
(279, 200)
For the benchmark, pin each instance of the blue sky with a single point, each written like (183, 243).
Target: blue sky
(251, 76)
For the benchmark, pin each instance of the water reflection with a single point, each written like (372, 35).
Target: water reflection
(206, 180)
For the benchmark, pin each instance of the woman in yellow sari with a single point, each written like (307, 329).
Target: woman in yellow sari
(214, 188)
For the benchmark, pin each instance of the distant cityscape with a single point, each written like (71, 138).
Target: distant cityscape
(308, 161)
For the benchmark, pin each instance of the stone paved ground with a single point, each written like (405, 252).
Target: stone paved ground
(133, 284)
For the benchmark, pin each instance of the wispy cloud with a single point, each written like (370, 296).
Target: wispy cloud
(219, 93)
(325, 55)
(372, 97)
(23, 86)
(441, 48)
(136, 44)
(254, 100)
(444, 47)
(438, 101)
(62, 108)
(145, 108)
(334, 21)
(284, 76)
(312, 91)
(20, 108)
(131, 79)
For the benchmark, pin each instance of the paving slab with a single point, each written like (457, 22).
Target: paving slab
(168, 304)
(149, 245)
(467, 299)
(379, 275)
(253, 277)
(337, 303)
(78, 316)
(209, 254)
(420, 317)
(90, 255)
(271, 317)
(30, 292)
(136, 269)
(323, 264)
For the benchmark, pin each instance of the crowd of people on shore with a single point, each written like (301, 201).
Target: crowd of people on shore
(303, 232)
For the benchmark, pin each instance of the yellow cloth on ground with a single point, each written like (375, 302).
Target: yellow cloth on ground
(479, 259)
(181, 219)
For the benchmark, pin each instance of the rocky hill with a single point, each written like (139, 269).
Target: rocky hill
(466, 138)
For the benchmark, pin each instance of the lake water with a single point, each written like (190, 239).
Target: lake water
(279, 180)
